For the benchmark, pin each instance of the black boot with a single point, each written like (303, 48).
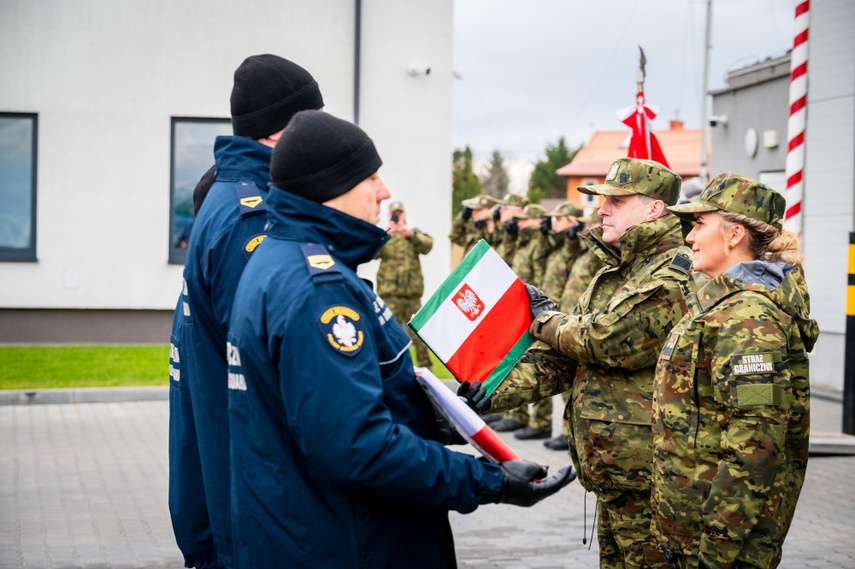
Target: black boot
(558, 443)
(530, 433)
(505, 425)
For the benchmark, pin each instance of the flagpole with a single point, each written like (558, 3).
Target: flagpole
(705, 123)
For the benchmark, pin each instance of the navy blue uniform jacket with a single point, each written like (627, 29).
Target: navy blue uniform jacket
(333, 462)
(227, 230)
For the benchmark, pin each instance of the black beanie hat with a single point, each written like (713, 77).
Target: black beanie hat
(320, 157)
(267, 91)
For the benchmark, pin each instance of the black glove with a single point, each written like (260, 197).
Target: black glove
(672, 558)
(475, 397)
(546, 225)
(574, 231)
(465, 213)
(481, 224)
(538, 302)
(525, 484)
(496, 212)
(512, 227)
(446, 433)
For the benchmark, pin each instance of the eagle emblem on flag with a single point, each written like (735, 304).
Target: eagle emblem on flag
(468, 302)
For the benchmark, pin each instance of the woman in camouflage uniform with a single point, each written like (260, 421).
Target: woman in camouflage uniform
(731, 392)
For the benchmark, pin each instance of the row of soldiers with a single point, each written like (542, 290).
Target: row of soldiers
(543, 248)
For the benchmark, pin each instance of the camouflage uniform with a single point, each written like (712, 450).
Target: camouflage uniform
(614, 335)
(528, 263)
(467, 232)
(503, 242)
(731, 407)
(586, 265)
(532, 248)
(563, 249)
(400, 282)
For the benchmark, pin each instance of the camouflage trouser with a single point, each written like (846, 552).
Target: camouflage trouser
(623, 530)
(541, 417)
(520, 414)
(565, 424)
(403, 309)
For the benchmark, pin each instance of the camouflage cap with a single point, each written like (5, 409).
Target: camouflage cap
(396, 206)
(482, 201)
(567, 208)
(532, 211)
(515, 199)
(737, 194)
(629, 176)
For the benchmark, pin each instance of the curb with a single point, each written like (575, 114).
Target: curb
(84, 395)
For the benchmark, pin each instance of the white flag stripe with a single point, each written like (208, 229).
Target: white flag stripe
(464, 419)
(448, 328)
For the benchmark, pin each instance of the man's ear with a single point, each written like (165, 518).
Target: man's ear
(656, 210)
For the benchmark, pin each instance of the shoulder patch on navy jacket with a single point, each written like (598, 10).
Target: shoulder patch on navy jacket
(249, 198)
(344, 329)
(682, 262)
(253, 242)
(322, 267)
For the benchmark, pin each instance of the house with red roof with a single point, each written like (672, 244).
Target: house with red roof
(682, 148)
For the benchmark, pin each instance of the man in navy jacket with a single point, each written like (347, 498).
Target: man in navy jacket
(267, 91)
(335, 461)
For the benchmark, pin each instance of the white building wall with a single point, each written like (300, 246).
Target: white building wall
(829, 202)
(409, 117)
(106, 77)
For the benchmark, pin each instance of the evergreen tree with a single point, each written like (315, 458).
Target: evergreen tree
(496, 182)
(544, 182)
(464, 182)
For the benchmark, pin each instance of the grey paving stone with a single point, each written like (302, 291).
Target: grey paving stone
(85, 485)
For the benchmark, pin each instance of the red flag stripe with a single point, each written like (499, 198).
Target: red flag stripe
(798, 71)
(474, 364)
(802, 8)
(490, 442)
(800, 39)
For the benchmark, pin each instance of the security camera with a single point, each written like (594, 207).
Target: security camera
(414, 70)
(716, 120)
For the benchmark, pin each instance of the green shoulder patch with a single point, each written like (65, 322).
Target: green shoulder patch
(756, 394)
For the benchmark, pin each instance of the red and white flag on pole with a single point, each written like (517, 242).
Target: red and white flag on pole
(465, 420)
(477, 321)
(643, 144)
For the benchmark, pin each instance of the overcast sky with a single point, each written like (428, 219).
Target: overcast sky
(535, 70)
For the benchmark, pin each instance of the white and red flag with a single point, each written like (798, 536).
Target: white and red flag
(465, 420)
(477, 321)
(643, 144)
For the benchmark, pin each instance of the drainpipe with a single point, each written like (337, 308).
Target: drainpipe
(357, 41)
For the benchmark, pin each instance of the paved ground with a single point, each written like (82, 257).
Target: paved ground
(84, 485)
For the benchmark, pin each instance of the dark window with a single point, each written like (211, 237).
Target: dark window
(18, 143)
(192, 155)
